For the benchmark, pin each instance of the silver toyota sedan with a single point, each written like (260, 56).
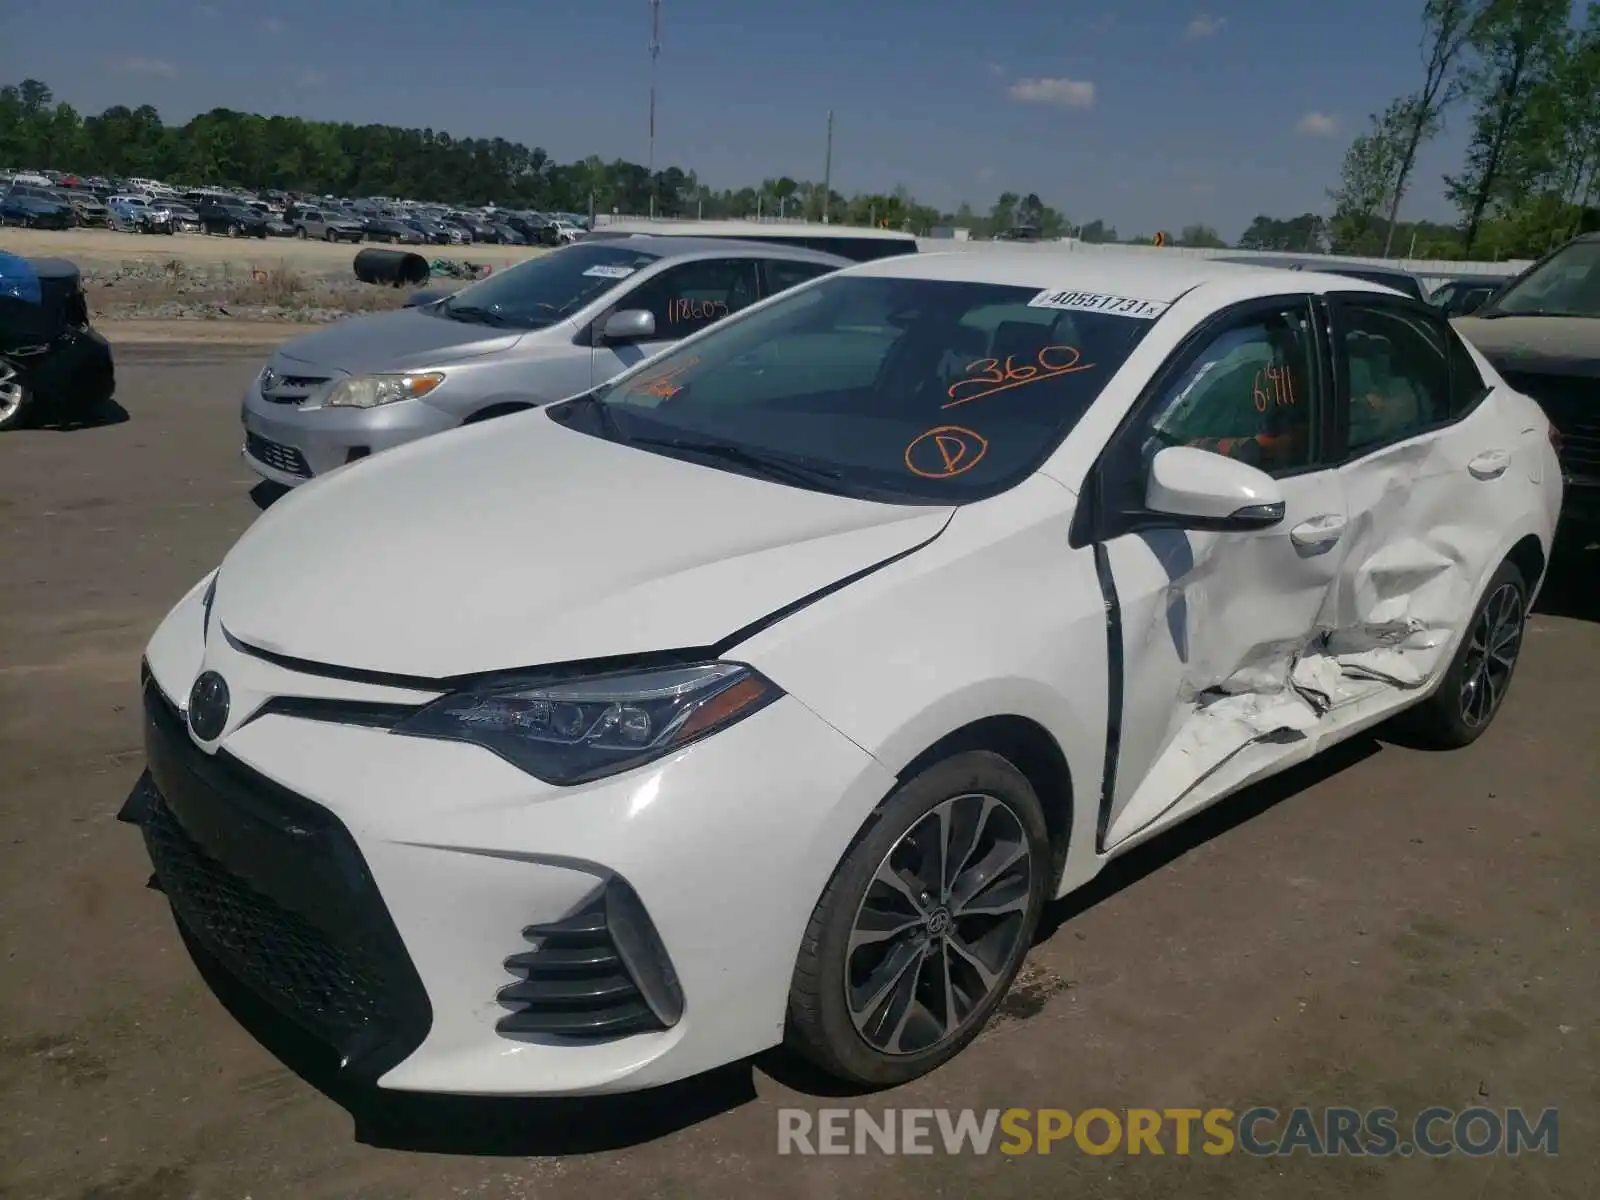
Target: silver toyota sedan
(544, 330)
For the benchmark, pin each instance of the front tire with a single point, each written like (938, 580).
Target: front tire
(924, 924)
(1475, 684)
(16, 397)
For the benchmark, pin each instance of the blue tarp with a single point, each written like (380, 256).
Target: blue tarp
(19, 280)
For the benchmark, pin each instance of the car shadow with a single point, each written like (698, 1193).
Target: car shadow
(1128, 869)
(266, 493)
(97, 416)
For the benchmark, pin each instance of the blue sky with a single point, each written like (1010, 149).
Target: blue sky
(1150, 115)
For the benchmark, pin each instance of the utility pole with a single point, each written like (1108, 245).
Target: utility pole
(655, 52)
(827, 171)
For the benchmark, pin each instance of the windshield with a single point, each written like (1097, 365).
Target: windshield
(1567, 284)
(542, 291)
(905, 390)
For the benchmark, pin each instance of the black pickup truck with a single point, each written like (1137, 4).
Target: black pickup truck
(1542, 332)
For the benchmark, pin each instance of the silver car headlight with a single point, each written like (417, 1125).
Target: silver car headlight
(576, 730)
(369, 391)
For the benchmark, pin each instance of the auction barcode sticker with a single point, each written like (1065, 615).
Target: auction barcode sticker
(1121, 306)
(609, 272)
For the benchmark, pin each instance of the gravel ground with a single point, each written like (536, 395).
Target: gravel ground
(195, 277)
(1380, 927)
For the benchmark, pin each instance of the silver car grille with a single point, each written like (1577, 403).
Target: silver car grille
(290, 389)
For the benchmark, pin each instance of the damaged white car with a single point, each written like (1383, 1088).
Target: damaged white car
(769, 691)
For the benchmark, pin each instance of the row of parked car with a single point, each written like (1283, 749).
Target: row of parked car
(55, 201)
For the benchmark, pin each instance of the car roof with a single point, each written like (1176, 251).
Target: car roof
(1327, 267)
(706, 247)
(1155, 276)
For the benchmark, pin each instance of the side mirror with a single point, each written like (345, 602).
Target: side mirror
(628, 325)
(1212, 491)
(1471, 303)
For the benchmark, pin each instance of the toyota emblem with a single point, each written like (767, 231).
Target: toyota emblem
(208, 706)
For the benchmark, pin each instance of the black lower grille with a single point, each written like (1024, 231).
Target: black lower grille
(1573, 406)
(277, 456)
(274, 887)
(598, 974)
(282, 952)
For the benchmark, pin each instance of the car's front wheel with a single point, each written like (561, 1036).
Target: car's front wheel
(1476, 682)
(16, 397)
(924, 924)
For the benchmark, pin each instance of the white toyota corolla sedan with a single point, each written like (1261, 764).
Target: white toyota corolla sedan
(768, 692)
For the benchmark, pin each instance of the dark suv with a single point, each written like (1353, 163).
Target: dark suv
(234, 220)
(1542, 332)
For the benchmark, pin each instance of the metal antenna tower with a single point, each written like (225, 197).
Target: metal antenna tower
(655, 52)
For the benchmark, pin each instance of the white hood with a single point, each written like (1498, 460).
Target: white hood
(519, 542)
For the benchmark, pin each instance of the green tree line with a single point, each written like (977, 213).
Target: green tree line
(1525, 76)
(235, 149)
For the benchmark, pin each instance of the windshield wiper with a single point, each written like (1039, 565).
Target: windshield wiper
(603, 414)
(765, 462)
(1536, 312)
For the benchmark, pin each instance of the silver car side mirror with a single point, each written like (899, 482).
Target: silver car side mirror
(629, 325)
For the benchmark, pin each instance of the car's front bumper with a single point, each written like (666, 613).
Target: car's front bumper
(423, 864)
(289, 444)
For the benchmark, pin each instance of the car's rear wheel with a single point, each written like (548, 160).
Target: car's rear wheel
(1475, 684)
(924, 924)
(234, 229)
(16, 397)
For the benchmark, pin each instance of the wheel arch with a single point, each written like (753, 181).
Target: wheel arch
(1031, 749)
(1529, 557)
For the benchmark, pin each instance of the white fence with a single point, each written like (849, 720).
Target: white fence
(1430, 271)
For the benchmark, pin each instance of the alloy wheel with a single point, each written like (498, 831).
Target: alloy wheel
(940, 920)
(12, 393)
(1491, 654)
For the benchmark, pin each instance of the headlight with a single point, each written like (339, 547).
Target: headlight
(369, 391)
(583, 729)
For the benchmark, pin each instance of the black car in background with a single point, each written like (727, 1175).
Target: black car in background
(1463, 297)
(388, 229)
(432, 232)
(52, 362)
(232, 220)
(34, 207)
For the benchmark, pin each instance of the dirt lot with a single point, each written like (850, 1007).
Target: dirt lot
(1386, 927)
(215, 281)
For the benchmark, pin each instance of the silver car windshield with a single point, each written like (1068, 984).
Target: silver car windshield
(545, 290)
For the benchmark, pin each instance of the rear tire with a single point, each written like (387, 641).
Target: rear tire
(906, 956)
(1475, 684)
